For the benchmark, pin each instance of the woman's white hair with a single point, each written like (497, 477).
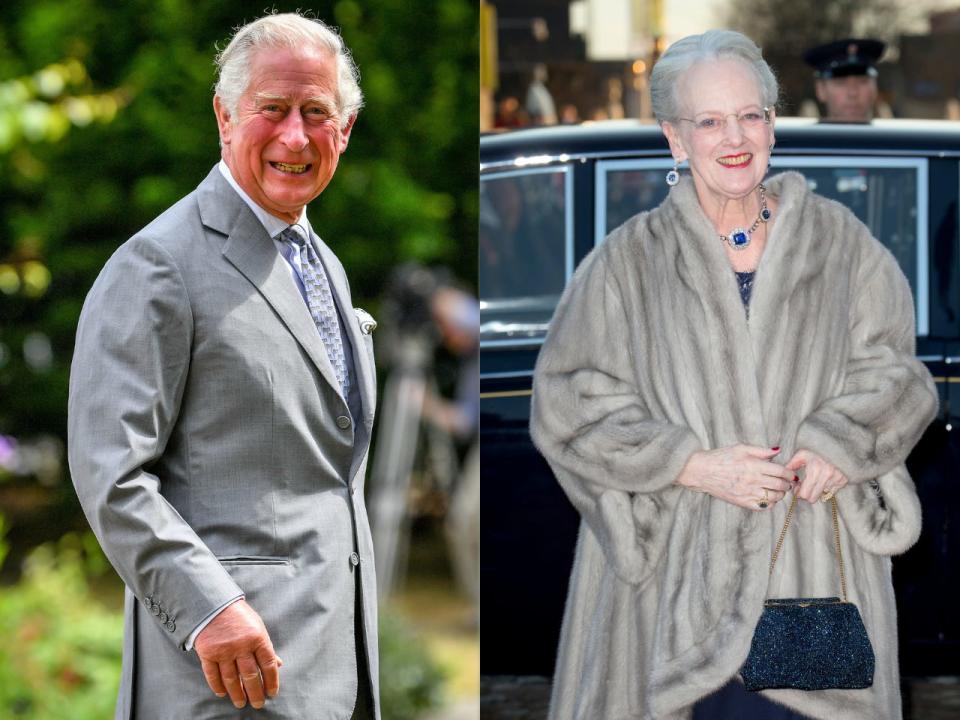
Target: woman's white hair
(285, 30)
(693, 49)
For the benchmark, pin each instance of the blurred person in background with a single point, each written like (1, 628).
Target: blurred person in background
(744, 343)
(457, 318)
(221, 405)
(569, 115)
(539, 104)
(845, 75)
(510, 114)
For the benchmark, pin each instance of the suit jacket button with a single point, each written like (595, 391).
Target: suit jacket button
(155, 609)
(163, 618)
(343, 422)
(148, 601)
(171, 625)
(354, 559)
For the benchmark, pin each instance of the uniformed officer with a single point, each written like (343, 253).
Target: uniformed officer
(846, 78)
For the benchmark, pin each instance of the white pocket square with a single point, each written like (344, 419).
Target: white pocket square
(367, 323)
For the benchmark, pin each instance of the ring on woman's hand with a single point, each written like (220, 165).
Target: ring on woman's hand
(763, 503)
(828, 494)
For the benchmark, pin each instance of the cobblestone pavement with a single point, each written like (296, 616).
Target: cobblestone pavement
(527, 697)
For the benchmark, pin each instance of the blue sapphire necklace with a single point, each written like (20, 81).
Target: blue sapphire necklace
(740, 238)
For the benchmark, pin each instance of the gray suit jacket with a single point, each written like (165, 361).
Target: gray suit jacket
(213, 454)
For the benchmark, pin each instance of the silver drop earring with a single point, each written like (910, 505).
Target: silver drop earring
(673, 177)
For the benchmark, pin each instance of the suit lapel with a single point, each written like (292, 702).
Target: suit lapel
(341, 293)
(250, 249)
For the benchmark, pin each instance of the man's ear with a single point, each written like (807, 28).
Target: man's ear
(345, 132)
(821, 87)
(674, 140)
(224, 125)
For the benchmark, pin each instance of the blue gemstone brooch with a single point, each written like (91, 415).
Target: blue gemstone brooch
(740, 238)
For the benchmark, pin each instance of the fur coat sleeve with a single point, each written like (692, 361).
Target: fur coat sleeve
(886, 398)
(611, 454)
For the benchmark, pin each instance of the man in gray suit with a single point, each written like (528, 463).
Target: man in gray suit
(221, 405)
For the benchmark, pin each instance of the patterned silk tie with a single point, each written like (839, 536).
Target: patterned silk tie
(320, 302)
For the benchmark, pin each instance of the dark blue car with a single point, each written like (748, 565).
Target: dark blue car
(548, 196)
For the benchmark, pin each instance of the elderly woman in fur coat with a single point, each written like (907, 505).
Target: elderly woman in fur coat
(744, 343)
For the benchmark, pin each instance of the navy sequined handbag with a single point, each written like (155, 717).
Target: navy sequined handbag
(809, 643)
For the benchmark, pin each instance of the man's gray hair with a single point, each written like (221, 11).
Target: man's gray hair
(710, 46)
(285, 30)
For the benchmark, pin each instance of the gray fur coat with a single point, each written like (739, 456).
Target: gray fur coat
(651, 357)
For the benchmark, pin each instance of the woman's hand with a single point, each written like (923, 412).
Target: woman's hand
(821, 479)
(740, 474)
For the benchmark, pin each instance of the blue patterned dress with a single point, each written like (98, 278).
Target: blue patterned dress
(745, 283)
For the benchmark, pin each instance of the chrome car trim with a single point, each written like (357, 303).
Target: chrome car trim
(521, 161)
(506, 394)
(506, 375)
(522, 342)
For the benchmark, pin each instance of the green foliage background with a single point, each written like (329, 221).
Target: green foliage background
(131, 130)
(105, 121)
(61, 655)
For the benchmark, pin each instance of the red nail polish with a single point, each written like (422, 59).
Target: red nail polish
(796, 478)
(775, 448)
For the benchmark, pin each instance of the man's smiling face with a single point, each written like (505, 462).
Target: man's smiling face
(283, 145)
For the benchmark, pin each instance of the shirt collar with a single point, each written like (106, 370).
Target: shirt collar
(273, 225)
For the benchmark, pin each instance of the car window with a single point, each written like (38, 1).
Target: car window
(888, 194)
(626, 187)
(526, 251)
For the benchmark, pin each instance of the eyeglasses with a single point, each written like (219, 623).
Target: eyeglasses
(710, 123)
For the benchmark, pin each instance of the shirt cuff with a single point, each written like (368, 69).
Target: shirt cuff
(188, 645)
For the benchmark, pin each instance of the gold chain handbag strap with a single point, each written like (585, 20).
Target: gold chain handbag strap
(836, 537)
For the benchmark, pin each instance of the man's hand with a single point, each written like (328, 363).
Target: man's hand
(237, 656)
